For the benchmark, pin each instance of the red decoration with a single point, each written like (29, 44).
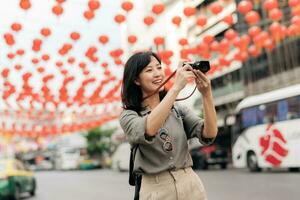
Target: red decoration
(253, 31)
(45, 32)
(189, 11)
(228, 19)
(275, 14)
(148, 20)
(103, 39)
(120, 18)
(94, 4)
(201, 20)
(9, 39)
(176, 20)
(252, 17)
(75, 36)
(183, 41)
(208, 39)
(89, 14)
(270, 4)
(132, 39)
(159, 40)
(16, 27)
(293, 3)
(245, 6)
(215, 7)
(158, 8)
(230, 34)
(25, 4)
(57, 10)
(127, 6)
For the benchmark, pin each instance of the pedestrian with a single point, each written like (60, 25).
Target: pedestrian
(160, 127)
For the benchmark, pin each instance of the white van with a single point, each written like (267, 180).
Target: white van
(67, 158)
(120, 159)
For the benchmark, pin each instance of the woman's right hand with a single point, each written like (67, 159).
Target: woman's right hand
(184, 73)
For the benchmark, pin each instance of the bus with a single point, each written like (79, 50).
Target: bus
(266, 130)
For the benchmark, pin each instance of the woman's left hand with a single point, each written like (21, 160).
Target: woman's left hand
(202, 82)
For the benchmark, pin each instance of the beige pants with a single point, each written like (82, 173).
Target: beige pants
(182, 184)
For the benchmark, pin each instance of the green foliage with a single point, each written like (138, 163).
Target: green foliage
(99, 141)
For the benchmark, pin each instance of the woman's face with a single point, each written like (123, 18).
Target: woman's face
(151, 77)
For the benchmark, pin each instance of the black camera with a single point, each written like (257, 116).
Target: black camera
(203, 65)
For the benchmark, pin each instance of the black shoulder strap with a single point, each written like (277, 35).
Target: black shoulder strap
(133, 150)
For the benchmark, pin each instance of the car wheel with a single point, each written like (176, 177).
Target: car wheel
(223, 166)
(17, 193)
(294, 169)
(32, 192)
(252, 162)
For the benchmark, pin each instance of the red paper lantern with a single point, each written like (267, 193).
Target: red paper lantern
(253, 51)
(25, 4)
(45, 32)
(57, 10)
(9, 39)
(189, 11)
(215, 7)
(275, 14)
(132, 39)
(5, 72)
(103, 39)
(45, 57)
(230, 34)
(254, 30)
(71, 60)
(75, 36)
(176, 20)
(127, 6)
(148, 20)
(208, 39)
(89, 14)
(228, 19)
(159, 40)
(16, 27)
(119, 18)
(245, 6)
(11, 56)
(183, 41)
(252, 17)
(35, 60)
(293, 3)
(158, 8)
(94, 4)
(270, 4)
(20, 52)
(201, 20)
(214, 46)
(268, 44)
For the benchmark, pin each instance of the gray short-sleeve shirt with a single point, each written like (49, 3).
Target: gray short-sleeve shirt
(168, 149)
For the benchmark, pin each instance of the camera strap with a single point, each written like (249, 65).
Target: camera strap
(157, 90)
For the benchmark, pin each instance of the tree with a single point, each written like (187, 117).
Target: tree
(99, 141)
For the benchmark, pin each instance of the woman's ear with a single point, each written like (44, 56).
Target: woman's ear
(137, 82)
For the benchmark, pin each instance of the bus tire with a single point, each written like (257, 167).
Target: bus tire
(294, 169)
(252, 162)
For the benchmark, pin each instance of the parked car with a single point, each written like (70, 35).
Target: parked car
(67, 158)
(205, 156)
(120, 159)
(15, 179)
(87, 164)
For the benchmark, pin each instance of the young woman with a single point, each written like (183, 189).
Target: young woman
(160, 127)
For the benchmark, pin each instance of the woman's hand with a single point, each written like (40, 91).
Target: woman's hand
(202, 82)
(183, 75)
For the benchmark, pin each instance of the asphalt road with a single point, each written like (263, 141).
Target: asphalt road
(106, 184)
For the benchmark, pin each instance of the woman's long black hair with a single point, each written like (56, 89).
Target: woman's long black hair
(131, 93)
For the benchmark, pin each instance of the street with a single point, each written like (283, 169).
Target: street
(105, 184)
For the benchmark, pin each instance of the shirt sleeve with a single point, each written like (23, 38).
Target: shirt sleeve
(134, 127)
(193, 125)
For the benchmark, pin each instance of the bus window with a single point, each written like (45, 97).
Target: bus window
(249, 117)
(271, 112)
(293, 107)
(282, 110)
(261, 111)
